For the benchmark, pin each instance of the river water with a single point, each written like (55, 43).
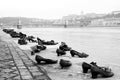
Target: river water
(101, 43)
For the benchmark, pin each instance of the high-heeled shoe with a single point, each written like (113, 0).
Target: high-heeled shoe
(102, 71)
(81, 55)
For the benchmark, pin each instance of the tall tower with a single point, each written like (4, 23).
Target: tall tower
(19, 25)
(1, 25)
(65, 25)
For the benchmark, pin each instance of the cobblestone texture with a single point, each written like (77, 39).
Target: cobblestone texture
(15, 64)
(8, 68)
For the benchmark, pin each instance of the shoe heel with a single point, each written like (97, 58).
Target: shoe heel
(94, 75)
(72, 55)
(85, 67)
(32, 53)
(58, 54)
(85, 70)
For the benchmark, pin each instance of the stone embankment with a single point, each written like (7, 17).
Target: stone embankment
(15, 64)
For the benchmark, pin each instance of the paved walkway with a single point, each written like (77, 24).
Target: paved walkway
(15, 64)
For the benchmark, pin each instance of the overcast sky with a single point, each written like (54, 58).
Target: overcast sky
(54, 9)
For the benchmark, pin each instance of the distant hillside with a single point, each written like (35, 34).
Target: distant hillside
(72, 20)
(13, 21)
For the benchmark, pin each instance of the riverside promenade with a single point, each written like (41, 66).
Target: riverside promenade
(15, 64)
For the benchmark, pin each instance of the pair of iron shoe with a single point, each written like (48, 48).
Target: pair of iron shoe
(81, 55)
(65, 63)
(14, 34)
(22, 41)
(22, 35)
(42, 60)
(41, 47)
(8, 30)
(37, 48)
(96, 71)
(51, 42)
(31, 39)
(60, 52)
(64, 47)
